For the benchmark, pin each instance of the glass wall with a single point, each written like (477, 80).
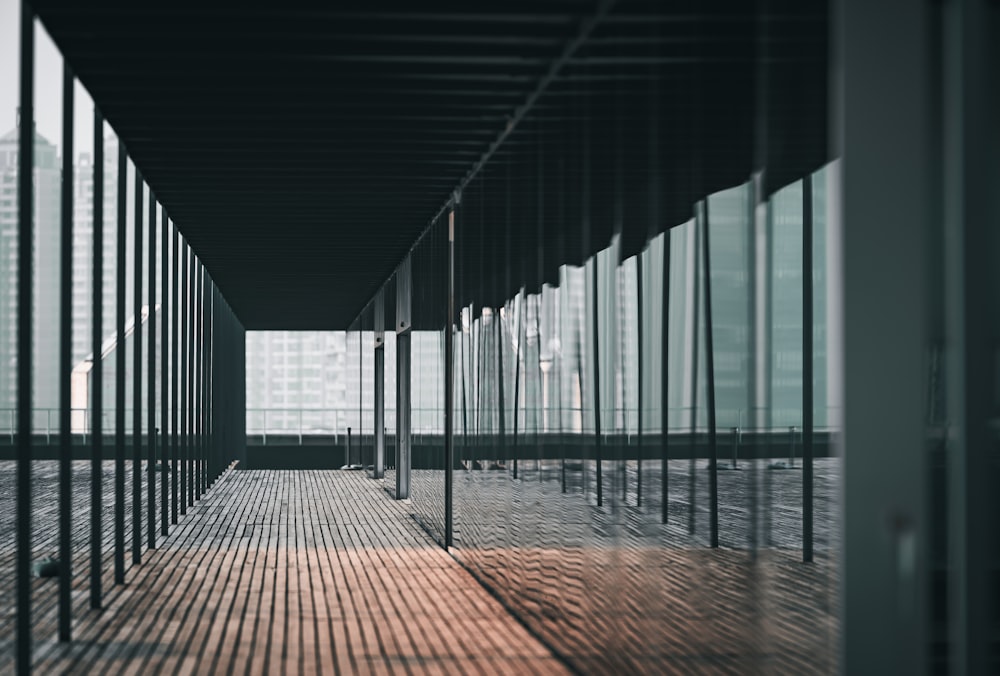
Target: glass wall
(629, 432)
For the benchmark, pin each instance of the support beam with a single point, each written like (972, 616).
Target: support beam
(175, 361)
(449, 385)
(120, 272)
(807, 369)
(713, 448)
(595, 336)
(165, 360)
(378, 463)
(403, 459)
(664, 383)
(25, 260)
(65, 360)
(883, 131)
(185, 355)
(137, 374)
(640, 380)
(97, 368)
(970, 176)
(151, 383)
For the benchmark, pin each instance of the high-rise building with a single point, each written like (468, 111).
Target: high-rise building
(46, 276)
(83, 252)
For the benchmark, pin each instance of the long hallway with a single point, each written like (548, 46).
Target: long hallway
(298, 572)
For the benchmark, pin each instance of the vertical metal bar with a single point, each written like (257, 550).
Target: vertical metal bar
(501, 402)
(640, 380)
(202, 390)
(209, 460)
(713, 449)
(65, 358)
(200, 336)
(164, 372)
(195, 380)
(137, 376)
(449, 386)
(807, 369)
(182, 404)
(517, 382)
(664, 383)
(970, 57)
(97, 367)
(378, 466)
(189, 382)
(403, 416)
(151, 383)
(120, 310)
(695, 353)
(25, 180)
(176, 316)
(598, 449)
(211, 447)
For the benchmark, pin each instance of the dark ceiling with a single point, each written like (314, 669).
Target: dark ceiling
(302, 149)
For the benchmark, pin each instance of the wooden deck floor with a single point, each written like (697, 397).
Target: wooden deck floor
(297, 573)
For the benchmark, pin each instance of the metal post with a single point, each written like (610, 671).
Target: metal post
(807, 370)
(517, 385)
(151, 386)
(640, 380)
(176, 317)
(197, 316)
(164, 372)
(137, 377)
(65, 358)
(403, 416)
(120, 310)
(25, 258)
(449, 386)
(378, 318)
(97, 366)
(189, 376)
(182, 404)
(598, 450)
(501, 401)
(378, 466)
(664, 382)
(887, 218)
(696, 318)
(210, 448)
(713, 468)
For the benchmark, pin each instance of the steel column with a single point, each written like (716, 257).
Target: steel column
(449, 385)
(120, 310)
(595, 335)
(713, 450)
(639, 383)
(695, 353)
(137, 375)
(664, 381)
(164, 372)
(807, 369)
(403, 416)
(182, 402)
(378, 463)
(176, 317)
(25, 259)
(65, 357)
(189, 377)
(97, 367)
(151, 383)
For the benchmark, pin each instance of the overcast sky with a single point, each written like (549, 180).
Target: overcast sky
(48, 84)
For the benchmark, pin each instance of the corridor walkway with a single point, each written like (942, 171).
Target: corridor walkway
(298, 572)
